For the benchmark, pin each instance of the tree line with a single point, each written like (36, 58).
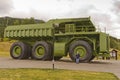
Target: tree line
(7, 21)
(114, 43)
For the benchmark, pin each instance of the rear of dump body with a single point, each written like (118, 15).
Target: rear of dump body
(61, 34)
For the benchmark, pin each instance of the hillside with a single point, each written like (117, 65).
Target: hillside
(114, 43)
(6, 21)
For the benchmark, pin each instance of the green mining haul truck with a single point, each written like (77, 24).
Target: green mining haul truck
(57, 38)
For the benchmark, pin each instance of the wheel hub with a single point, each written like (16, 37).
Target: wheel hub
(80, 50)
(40, 50)
(17, 51)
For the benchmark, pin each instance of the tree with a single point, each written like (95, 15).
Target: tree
(16, 22)
(32, 20)
(114, 43)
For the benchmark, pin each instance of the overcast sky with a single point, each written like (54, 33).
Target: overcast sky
(104, 13)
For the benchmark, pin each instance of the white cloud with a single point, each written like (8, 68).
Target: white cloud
(5, 6)
(116, 7)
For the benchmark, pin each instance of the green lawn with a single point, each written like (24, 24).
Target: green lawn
(48, 74)
(4, 54)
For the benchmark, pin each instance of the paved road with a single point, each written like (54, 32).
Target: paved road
(101, 66)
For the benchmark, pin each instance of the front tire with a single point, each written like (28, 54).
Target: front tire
(81, 47)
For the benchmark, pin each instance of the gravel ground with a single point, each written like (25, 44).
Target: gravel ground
(111, 66)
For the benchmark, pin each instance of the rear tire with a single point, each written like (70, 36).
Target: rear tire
(19, 50)
(83, 48)
(41, 51)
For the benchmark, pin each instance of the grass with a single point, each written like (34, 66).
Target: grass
(48, 74)
(4, 54)
(5, 46)
(4, 49)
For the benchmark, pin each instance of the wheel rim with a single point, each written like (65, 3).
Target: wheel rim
(17, 51)
(39, 51)
(80, 50)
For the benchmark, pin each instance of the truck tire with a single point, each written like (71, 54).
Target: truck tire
(19, 50)
(41, 51)
(81, 47)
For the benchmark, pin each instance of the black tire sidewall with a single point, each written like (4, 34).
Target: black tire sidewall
(46, 47)
(23, 47)
(85, 45)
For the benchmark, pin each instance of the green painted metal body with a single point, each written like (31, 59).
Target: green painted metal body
(61, 33)
(59, 48)
(33, 30)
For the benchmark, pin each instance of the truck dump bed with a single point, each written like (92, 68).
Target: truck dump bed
(70, 25)
(32, 30)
